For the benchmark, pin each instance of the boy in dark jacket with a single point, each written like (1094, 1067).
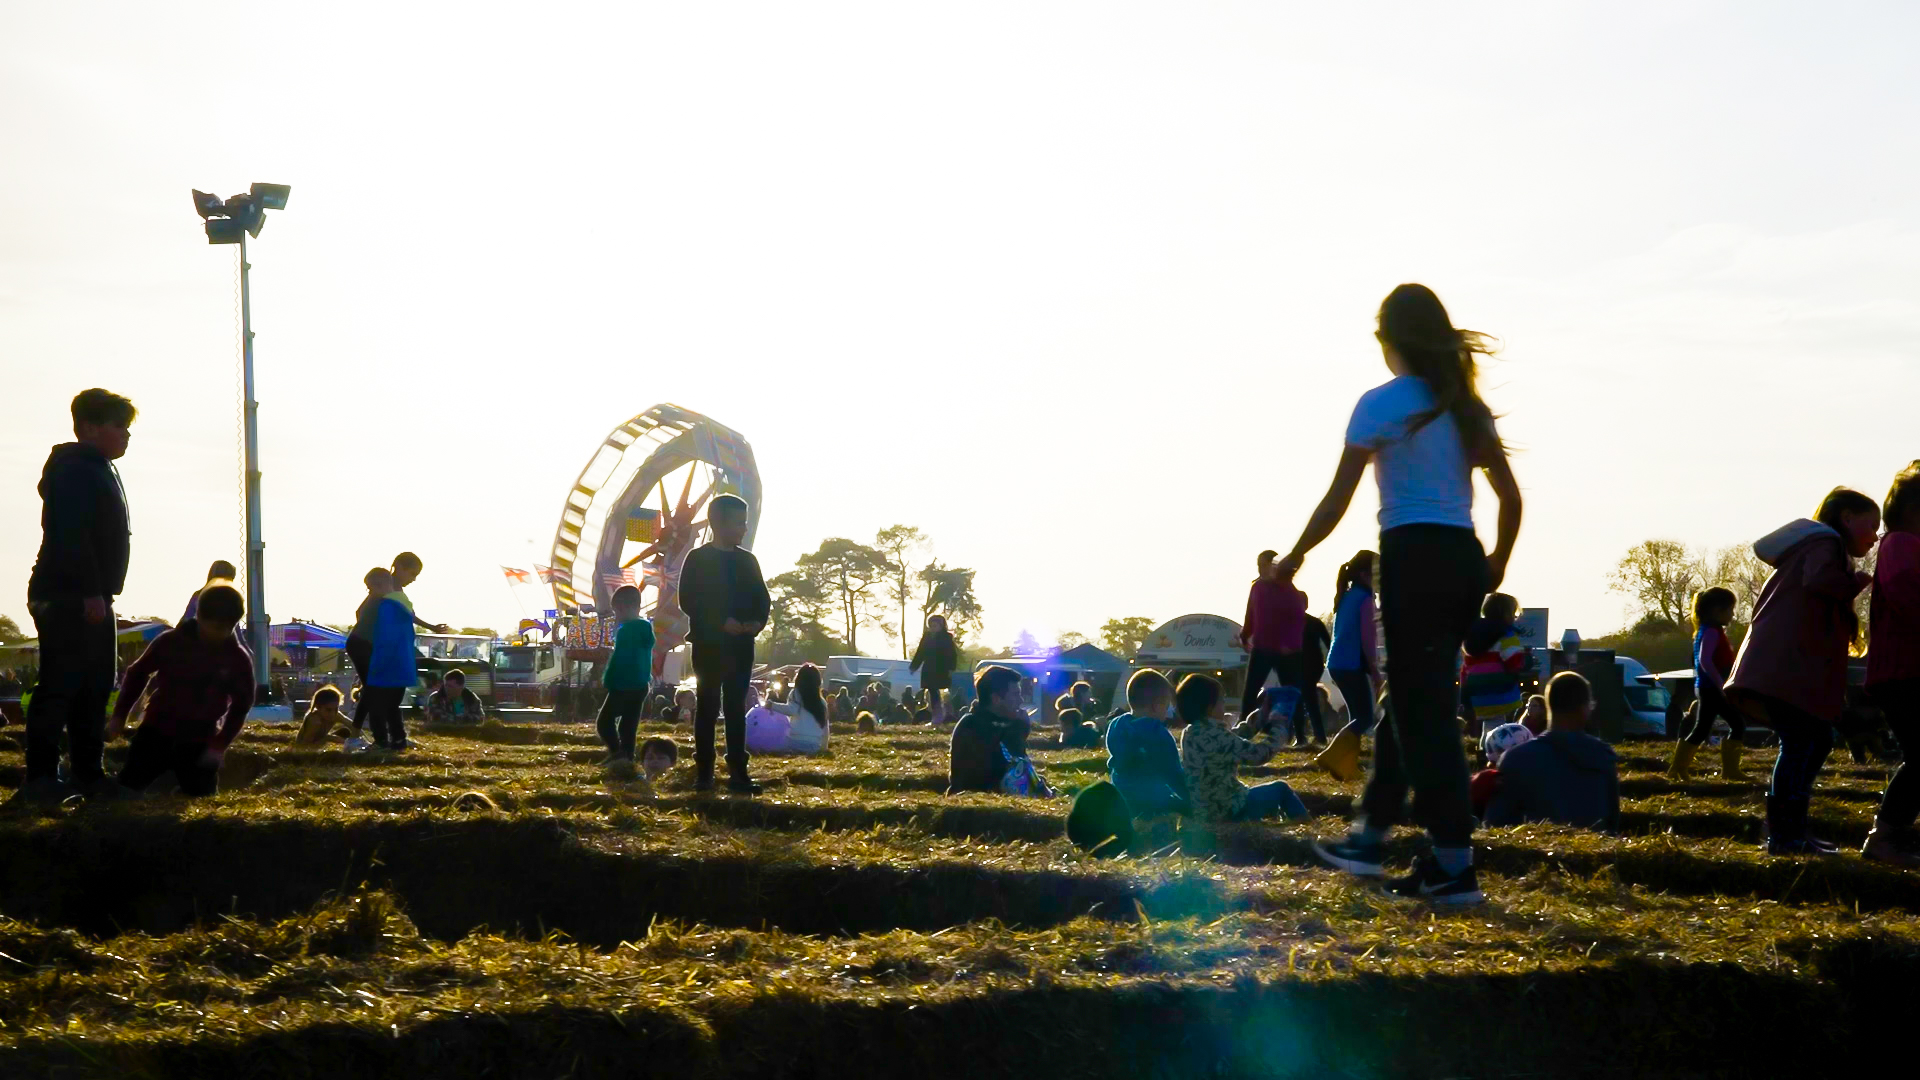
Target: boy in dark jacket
(726, 602)
(81, 567)
(1565, 776)
(202, 688)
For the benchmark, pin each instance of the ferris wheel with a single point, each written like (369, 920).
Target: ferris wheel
(610, 536)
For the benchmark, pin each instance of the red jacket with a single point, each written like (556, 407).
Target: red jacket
(1796, 649)
(201, 690)
(1276, 615)
(1893, 622)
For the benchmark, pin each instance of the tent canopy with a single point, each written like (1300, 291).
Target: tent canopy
(296, 635)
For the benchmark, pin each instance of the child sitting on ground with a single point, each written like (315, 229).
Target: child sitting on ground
(1143, 761)
(684, 702)
(1565, 776)
(1495, 746)
(323, 717)
(202, 688)
(1212, 756)
(453, 703)
(629, 670)
(657, 757)
(1077, 733)
(1495, 657)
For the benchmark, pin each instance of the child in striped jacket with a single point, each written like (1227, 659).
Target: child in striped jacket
(1495, 657)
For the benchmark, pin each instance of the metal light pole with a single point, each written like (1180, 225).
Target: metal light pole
(231, 221)
(257, 621)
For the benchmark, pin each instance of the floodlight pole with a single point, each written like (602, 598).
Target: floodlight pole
(257, 621)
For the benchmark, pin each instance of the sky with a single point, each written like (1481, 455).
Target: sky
(1085, 291)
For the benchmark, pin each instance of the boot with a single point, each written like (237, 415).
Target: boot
(1730, 749)
(1681, 765)
(1342, 756)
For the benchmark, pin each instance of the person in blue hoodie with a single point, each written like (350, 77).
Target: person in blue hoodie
(392, 667)
(1143, 761)
(1566, 776)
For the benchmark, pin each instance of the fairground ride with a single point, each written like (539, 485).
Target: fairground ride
(609, 536)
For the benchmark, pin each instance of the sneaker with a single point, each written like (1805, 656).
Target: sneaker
(1824, 847)
(703, 784)
(740, 785)
(1803, 846)
(1883, 848)
(1430, 883)
(356, 744)
(1354, 855)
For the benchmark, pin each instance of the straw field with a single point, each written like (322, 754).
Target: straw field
(494, 904)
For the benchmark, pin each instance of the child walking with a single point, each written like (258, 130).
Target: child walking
(1792, 667)
(1893, 666)
(1211, 757)
(1712, 660)
(202, 688)
(379, 582)
(1351, 662)
(629, 671)
(1424, 431)
(726, 602)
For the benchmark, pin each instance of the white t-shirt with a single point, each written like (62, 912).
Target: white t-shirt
(1425, 478)
(809, 734)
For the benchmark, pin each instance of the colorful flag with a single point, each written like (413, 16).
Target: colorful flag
(518, 577)
(550, 576)
(615, 580)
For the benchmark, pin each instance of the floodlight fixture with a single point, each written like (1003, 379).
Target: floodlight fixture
(231, 221)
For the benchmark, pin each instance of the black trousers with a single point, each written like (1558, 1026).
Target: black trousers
(153, 755)
(1432, 579)
(383, 712)
(360, 652)
(724, 668)
(620, 719)
(1293, 671)
(1712, 703)
(1900, 700)
(78, 665)
(1357, 688)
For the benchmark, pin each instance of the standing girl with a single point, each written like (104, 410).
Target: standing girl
(1893, 665)
(1351, 663)
(1792, 667)
(1425, 431)
(1712, 659)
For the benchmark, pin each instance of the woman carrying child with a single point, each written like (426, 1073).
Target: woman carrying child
(1893, 666)
(1424, 431)
(1792, 667)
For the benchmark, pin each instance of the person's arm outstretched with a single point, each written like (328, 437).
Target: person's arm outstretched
(1507, 490)
(1333, 507)
(133, 684)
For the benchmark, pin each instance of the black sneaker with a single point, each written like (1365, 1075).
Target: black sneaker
(740, 785)
(1430, 883)
(1800, 846)
(703, 784)
(1354, 855)
(1823, 847)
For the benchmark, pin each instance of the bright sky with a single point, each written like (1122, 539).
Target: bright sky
(1083, 290)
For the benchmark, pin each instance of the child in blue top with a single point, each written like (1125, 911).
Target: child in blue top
(628, 674)
(1142, 759)
(392, 667)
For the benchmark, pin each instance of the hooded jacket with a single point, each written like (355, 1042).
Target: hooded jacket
(1796, 649)
(393, 662)
(1565, 777)
(201, 689)
(83, 527)
(974, 760)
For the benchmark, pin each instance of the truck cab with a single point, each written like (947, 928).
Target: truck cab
(525, 673)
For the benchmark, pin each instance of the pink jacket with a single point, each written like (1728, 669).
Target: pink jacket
(1276, 615)
(1796, 649)
(1893, 625)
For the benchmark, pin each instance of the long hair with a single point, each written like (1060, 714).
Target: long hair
(1415, 324)
(1840, 502)
(1350, 571)
(807, 685)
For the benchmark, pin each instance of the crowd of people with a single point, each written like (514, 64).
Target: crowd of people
(1446, 665)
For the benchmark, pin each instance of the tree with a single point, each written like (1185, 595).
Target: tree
(949, 592)
(10, 631)
(846, 571)
(1738, 569)
(898, 543)
(1071, 639)
(795, 630)
(1123, 637)
(1661, 576)
(1028, 645)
